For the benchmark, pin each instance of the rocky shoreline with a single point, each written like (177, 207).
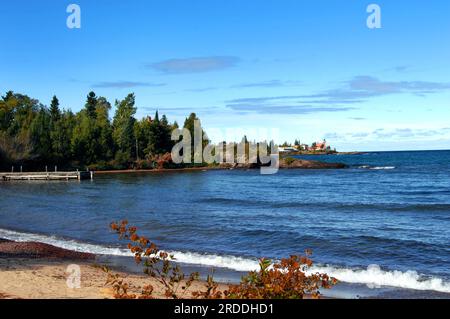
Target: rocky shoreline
(290, 163)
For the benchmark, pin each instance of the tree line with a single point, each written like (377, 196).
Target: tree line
(33, 135)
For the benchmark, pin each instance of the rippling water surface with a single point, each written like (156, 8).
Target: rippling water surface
(388, 209)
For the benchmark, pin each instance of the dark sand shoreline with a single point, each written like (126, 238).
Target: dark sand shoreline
(36, 250)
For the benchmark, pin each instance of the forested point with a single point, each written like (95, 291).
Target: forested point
(33, 135)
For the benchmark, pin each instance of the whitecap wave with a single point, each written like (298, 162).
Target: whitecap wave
(376, 167)
(382, 167)
(374, 276)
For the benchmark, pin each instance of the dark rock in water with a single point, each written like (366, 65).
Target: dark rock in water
(39, 250)
(290, 163)
(304, 164)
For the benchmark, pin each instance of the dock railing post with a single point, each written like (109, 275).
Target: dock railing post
(12, 169)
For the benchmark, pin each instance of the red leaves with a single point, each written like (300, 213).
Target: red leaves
(158, 265)
(284, 280)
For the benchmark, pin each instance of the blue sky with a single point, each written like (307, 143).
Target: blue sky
(303, 69)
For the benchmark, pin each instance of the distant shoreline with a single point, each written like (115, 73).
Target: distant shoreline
(284, 164)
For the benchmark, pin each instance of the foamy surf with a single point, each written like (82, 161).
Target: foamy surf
(377, 168)
(373, 276)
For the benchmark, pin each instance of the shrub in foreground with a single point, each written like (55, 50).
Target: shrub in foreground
(287, 279)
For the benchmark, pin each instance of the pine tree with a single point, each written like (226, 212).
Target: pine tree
(55, 112)
(123, 128)
(103, 125)
(91, 104)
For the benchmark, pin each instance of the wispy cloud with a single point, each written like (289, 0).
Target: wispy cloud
(391, 134)
(201, 90)
(285, 109)
(265, 84)
(248, 85)
(375, 86)
(400, 68)
(364, 87)
(355, 91)
(180, 110)
(125, 84)
(195, 65)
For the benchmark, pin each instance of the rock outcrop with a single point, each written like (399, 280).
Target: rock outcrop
(289, 163)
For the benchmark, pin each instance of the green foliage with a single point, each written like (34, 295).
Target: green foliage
(91, 104)
(40, 134)
(160, 133)
(34, 135)
(123, 126)
(55, 112)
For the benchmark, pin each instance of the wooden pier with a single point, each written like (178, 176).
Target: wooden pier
(46, 176)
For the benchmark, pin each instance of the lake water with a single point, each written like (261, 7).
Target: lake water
(382, 226)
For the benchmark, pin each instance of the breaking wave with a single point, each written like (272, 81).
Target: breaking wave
(374, 276)
(377, 167)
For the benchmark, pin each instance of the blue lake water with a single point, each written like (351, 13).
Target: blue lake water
(385, 221)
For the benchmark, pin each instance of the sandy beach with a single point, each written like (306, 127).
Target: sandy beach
(26, 278)
(39, 271)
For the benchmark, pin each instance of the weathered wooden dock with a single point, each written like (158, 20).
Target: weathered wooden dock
(46, 176)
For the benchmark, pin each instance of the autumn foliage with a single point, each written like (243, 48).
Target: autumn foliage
(287, 279)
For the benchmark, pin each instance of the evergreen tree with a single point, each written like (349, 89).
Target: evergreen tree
(6, 114)
(160, 136)
(40, 135)
(103, 125)
(61, 135)
(55, 112)
(123, 128)
(142, 132)
(91, 104)
(84, 141)
(36, 135)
